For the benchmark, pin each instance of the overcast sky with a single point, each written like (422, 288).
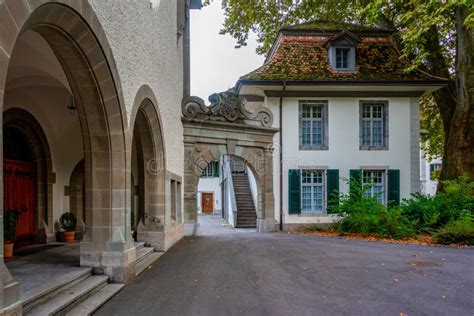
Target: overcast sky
(215, 63)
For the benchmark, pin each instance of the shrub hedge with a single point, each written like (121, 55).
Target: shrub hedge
(448, 216)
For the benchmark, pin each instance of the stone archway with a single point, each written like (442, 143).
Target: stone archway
(155, 192)
(76, 195)
(226, 127)
(44, 177)
(76, 37)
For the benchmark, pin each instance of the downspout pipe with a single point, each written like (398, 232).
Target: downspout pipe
(280, 118)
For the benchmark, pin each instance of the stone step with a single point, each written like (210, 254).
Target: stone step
(49, 289)
(245, 204)
(139, 245)
(246, 226)
(146, 262)
(245, 209)
(247, 215)
(246, 220)
(70, 297)
(144, 252)
(93, 303)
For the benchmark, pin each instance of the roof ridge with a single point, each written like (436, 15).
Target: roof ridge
(332, 25)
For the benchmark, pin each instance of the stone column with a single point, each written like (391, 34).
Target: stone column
(268, 223)
(107, 244)
(191, 226)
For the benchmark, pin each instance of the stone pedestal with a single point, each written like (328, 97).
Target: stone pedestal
(10, 293)
(192, 229)
(266, 225)
(118, 265)
(158, 236)
(12, 310)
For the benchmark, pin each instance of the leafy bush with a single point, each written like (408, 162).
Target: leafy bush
(448, 215)
(364, 215)
(458, 197)
(68, 221)
(428, 214)
(423, 212)
(460, 231)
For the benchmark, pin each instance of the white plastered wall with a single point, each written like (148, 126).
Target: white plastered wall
(147, 51)
(343, 153)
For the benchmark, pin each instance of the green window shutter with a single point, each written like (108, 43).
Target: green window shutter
(294, 191)
(332, 186)
(393, 186)
(355, 175)
(216, 168)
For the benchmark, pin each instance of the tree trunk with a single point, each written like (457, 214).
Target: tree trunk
(458, 156)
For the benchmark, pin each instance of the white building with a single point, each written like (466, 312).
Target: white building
(346, 108)
(428, 181)
(209, 196)
(228, 187)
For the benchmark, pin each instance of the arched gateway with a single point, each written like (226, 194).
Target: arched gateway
(227, 127)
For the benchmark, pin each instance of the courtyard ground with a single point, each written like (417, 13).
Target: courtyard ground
(237, 272)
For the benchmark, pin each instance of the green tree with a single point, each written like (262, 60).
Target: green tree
(432, 137)
(436, 37)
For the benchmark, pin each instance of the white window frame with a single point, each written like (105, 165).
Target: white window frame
(383, 174)
(350, 58)
(323, 105)
(384, 119)
(323, 187)
(208, 172)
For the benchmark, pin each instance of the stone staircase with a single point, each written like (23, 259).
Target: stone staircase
(81, 292)
(145, 257)
(246, 214)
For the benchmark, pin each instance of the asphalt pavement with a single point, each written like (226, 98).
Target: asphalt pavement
(238, 272)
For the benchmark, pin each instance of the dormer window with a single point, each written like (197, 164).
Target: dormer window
(342, 58)
(341, 51)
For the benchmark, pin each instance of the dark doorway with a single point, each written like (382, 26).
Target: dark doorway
(19, 183)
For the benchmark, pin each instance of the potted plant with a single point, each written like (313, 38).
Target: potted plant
(68, 223)
(9, 232)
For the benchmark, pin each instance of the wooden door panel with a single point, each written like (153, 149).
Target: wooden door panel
(207, 202)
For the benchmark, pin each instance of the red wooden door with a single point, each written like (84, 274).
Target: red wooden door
(18, 188)
(207, 202)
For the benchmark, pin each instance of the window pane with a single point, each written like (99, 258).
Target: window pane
(338, 58)
(317, 112)
(306, 133)
(317, 133)
(306, 111)
(366, 111)
(345, 58)
(318, 198)
(378, 193)
(377, 111)
(306, 178)
(377, 133)
(317, 177)
(306, 198)
(366, 133)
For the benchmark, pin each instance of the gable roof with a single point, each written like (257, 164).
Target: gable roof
(344, 37)
(299, 54)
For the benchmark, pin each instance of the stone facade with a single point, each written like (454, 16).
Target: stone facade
(119, 69)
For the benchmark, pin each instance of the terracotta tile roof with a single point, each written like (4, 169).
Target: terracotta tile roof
(301, 56)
